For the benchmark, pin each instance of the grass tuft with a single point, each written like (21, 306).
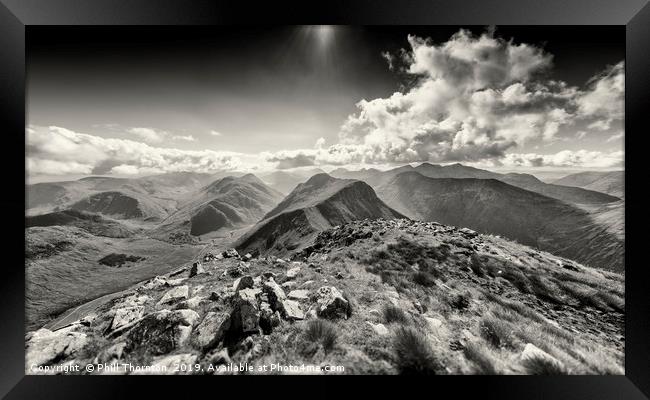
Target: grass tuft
(414, 354)
(322, 332)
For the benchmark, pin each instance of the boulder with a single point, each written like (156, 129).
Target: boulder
(380, 329)
(161, 332)
(191, 303)
(245, 282)
(175, 294)
(153, 283)
(299, 294)
(44, 347)
(293, 272)
(125, 316)
(288, 285)
(269, 319)
(291, 310)
(230, 253)
(246, 313)
(234, 272)
(197, 268)
(212, 329)
(331, 303)
(275, 293)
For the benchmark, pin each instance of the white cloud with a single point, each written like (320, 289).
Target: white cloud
(188, 138)
(55, 150)
(605, 96)
(566, 158)
(615, 137)
(215, 133)
(149, 135)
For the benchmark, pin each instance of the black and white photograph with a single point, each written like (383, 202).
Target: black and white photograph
(325, 200)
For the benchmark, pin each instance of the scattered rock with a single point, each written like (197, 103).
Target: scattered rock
(248, 256)
(212, 329)
(162, 331)
(44, 347)
(275, 293)
(299, 294)
(289, 285)
(230, 253)
(197, 268)
(191, 303)
(331, 303)
(246, 314)
(293, 272)
(154, 283)
(380, 329)
(125, 316)
(175, 294)
(245, 282)
(291, 310)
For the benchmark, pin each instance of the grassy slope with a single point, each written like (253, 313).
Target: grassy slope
(484, 299)
(73, 275)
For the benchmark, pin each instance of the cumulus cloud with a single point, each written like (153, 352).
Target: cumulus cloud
(566, 158)
(149, 135)
(55, 150)
(188, 138)
(215, 133)
(476, 98)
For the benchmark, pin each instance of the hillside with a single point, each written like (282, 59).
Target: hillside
(574, 195)
(318, 204)
(373, 297)
(164, 190)
(229, 202)
(611, 182)
(492, 206)
(62, 267)
(92, 223)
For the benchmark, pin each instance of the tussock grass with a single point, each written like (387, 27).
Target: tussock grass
(478, 354)
(543, 366)
(394, 314)
(414, 353)
(497, 332)
(323, 332)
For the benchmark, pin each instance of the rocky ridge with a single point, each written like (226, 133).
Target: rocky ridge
(382, 296)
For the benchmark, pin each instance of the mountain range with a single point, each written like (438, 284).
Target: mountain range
(610, 182)
(575, 222)
(492, 206)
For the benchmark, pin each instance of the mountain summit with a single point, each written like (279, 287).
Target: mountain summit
(320, 203)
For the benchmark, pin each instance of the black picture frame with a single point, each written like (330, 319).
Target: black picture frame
(16, 16)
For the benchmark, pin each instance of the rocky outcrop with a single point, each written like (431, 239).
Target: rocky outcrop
(44, 347)
(162, 331)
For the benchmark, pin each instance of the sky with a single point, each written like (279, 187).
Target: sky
(130, 101)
